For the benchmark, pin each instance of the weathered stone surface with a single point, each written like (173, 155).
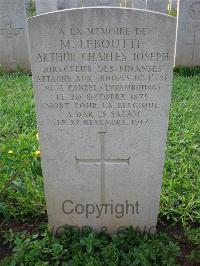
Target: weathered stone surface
(172, 4)
(45, 6)
(27, 4)
(157, 5)
(188, 33)
(102, 81)
(123, 3)
(13, 35)
(141, 4)
(65, 4)
(101, 3)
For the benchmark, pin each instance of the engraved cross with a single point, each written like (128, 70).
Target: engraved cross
(194, 44)
(102, 162)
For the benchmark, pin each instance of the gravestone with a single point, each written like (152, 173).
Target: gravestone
(157, 5)
(45, 6)
(13, 35)
(65, 4)
(102, 82)
(101, 3)
(188, 33)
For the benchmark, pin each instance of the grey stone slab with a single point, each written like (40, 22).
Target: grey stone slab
(102, 84)
(13, 35)
(128, 3)
(141, 4)
(157, 5)
(27, 4)
(101, 3)
(45, 6)
(65, 4)
(173, 4)
(123, 3)
(188, 33)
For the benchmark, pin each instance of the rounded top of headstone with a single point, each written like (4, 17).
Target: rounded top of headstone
(100, 9)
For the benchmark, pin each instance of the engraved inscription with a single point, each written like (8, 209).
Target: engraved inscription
(103, 76)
